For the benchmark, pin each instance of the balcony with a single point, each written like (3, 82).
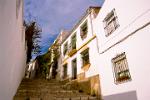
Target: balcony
(72, 49)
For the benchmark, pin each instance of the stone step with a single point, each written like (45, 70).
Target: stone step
(49, 91)
(40, 89)
(27, 98)
(56, 98)
(78, 98)
(54, 93)
(39, 80)
(40, 86)
(39, 83)
(53, 89)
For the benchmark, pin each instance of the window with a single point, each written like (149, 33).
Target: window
(72, 46)
(73, 42)
(120, 67)
(65, 48)
(84, 30)
(64, 71)
(110, 22)
(85, 57)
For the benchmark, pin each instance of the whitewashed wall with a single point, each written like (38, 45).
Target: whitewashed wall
(79, 43)
(131, 16)
(12, 48)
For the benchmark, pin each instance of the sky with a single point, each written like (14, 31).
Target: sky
(55, 15)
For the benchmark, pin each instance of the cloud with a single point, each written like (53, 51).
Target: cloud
(54, 15)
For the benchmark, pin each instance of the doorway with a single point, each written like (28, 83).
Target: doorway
(74, 69)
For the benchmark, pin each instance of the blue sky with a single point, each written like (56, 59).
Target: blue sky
(55, 15)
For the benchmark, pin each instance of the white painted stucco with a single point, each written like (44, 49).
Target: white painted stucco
(132, 16)
(79, 43)
(12, 48)
(31, 69)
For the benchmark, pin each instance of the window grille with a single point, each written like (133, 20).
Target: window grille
(111, 22)
(120, 67)
(84, 30)
(85, 57)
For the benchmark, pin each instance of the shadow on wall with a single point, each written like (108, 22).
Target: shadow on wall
(131, 95)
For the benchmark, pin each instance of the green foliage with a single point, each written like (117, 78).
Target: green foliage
(32, 36)
(44, 61)
(48, 60)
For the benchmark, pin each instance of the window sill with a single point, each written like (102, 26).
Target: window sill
(122, 81)
(86, 67)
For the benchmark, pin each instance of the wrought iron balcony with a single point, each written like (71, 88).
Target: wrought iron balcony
(72, 49)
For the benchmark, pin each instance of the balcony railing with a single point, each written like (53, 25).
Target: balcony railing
(72, 49)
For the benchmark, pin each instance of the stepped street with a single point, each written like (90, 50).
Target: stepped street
(41, 89)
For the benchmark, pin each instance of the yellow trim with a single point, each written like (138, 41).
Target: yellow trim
(86, 42)
(82, 46)
(72, 52)
(65, 60)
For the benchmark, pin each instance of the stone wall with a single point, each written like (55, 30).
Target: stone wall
(90, 85)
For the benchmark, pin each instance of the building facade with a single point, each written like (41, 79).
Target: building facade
(56, 56)
(31, 69)
(77, 52)
(111, 43)
(122, 30)
(12, 47)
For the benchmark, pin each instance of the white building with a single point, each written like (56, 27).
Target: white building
(56, 56)
(113, 45)
(77, 51)
(31, 69)
(12, 47)
(122, 29)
